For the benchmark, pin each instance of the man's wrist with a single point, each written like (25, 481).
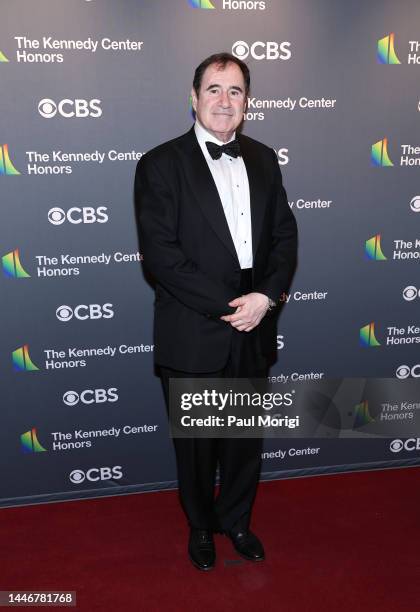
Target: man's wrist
(271, 304)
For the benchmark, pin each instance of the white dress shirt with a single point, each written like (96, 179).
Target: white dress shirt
(229, 174)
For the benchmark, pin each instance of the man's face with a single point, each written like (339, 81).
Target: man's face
(221, 102)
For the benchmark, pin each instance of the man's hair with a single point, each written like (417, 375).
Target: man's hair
(221, 59)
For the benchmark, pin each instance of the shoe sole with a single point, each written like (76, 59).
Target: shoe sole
(250, 558)
(200, 567)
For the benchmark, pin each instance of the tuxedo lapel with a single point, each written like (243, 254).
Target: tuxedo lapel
(209, 199)
(257, 188)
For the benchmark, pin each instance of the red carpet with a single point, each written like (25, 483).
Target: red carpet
(344, 542)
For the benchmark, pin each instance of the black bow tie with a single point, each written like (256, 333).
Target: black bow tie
(231, 148)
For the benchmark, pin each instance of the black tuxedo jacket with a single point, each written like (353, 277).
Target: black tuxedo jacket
(188, 249)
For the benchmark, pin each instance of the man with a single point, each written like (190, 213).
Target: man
(219, 239)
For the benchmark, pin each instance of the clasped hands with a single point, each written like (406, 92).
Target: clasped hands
(250, 309)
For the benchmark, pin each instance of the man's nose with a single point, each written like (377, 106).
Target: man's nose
(224, 99)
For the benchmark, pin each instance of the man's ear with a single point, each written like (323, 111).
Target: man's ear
(194, 99)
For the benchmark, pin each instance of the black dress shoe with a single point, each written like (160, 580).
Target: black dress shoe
(247, 545)
(201, 549)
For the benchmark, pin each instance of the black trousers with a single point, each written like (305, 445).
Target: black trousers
(238, 459)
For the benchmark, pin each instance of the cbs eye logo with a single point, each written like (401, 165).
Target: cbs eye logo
(240, 49)
(260, 50)
(404, 371)
(76, 215)
(77, 476)
(410, 293)
(91, 396)
(95, 474)
(83, 312)
(71, 398)
(78, 108)
(396, 446)
(415, 204)
(411, 444)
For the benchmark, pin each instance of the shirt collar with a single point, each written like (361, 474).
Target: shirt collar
(204, 136)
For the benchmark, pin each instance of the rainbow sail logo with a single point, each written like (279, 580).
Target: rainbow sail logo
(386, 50)
(373, 248)
(6, 166)
(367, 335)
(202, 4)
(30, 443)
(22, 361)
(379, 153)
(12, 265)
(362, 414)
(3, 58)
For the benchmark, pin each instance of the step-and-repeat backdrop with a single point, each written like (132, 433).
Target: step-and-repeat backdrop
(87, 87)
